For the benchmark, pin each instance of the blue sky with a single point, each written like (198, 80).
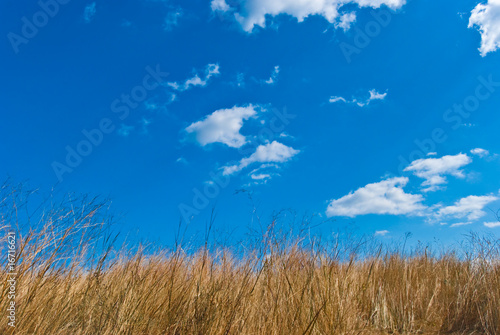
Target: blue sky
(381, 113)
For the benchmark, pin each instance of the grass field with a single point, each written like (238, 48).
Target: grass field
(71, 279)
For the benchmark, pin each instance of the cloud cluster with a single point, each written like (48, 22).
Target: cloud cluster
(486, 18)
(251, 13)
(388, 196)
(435, 170)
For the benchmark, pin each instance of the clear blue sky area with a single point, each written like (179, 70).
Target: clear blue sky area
(380, 113)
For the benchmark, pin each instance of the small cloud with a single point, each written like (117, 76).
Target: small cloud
(492, 224)
(223, 126)
(381, 232)
(172, 19)
(210, 71)
(460, 224)
(480, 152)
(125, 130)
(261, 176)
(274, 76)
(89, 12)
(334, 99)
(274, 152)
(374, 95)
(345, 21)
(432, 154)
(219, 5)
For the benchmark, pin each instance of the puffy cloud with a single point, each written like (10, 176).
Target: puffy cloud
(210, 71)
(274, 152)
(470, 207)
(385, 197)
(345, 21)
(480, 152)
(223, 126)
(253, 12)
(486, 18)
(434, 170)
(219, 5)
(374, 95)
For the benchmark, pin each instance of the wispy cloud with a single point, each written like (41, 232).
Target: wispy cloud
(274, 152)
(274, 76)
(125, 130)
(89, 12)
(172, 19)
(381, 232)
(374, 95)
(210, 71)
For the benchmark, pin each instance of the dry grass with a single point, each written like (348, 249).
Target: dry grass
(70, 282)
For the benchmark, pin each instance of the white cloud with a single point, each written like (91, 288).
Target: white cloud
(219, 5)
(374, 95)
(253, 12)
(470, 207)
(262, 176)
(345, 21)
(223, 126)
(274, 152)
(385, 197)
(334, 99)
(381, 232)
(210, 71)
(434, 170)
(492, 224)
(89, 12)
(432, 154)
(274, 75)
(480, 152)
(486, 18)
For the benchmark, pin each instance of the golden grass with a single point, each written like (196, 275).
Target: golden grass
(71, 281)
